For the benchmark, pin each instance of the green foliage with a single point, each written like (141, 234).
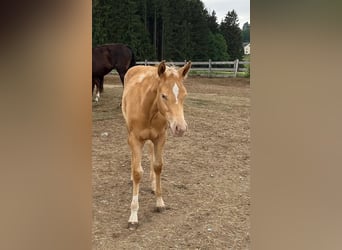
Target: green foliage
(217, 47)
(232, 33)
(212, 22)
(174, 30)
(246, 32)
(102, 21)
(248, 72)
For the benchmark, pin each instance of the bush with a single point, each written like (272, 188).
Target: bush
(248, 72)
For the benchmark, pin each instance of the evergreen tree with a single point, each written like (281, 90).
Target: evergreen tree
(174, 30)
(184, 30)
(121, 22)
(246, 32)
(102, 21)
(212, 22)
(229, 28)
(199, 31)
(217, 50)
(217, 47)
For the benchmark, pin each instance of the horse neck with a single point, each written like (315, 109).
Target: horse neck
(155, 106)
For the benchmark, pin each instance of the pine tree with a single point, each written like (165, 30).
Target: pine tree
(217, 50)
(212, 22)
(121, 22)
(102, 21)
(174, 30)
(246, 32)
(199, 31)
(217, 47)
(229, 28)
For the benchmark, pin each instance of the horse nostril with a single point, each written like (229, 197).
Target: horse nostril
(180, 129)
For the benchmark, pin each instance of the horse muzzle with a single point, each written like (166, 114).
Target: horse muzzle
(178, 129)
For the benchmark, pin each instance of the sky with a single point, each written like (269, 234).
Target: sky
(221, 7)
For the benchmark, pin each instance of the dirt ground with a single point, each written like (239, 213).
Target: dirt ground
(205, 179)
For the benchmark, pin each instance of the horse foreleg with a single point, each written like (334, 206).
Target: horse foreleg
(157, 167)
(152, 174)
(137, 171)
(122, 76)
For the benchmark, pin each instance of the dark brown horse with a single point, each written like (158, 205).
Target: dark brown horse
(108, 57)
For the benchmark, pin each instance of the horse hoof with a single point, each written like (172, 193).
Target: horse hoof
(159, 209)
(132, 226)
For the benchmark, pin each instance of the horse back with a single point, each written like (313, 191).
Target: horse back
(121, 55)
(140, 77)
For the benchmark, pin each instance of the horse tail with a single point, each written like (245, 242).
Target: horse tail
(133, 62)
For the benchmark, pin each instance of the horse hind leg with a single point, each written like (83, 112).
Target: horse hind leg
(99, 89)
(122, 73)
(97, 97)
(101, 84)
(96, 84)
(92, 87)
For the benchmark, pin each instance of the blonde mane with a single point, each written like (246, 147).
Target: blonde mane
(171, 69)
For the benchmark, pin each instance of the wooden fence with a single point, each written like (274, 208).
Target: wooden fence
(210, 68)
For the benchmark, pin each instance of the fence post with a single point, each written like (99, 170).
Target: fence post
(145, 62)
(236, 67)
(209, 67)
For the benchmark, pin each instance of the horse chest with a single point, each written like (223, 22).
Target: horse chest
(151, 133)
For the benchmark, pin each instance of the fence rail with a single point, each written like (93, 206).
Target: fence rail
(226, 68)
(208, 68)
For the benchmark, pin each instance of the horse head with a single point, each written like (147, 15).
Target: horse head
(171, 94)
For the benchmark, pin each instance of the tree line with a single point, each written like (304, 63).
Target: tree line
(174, 30)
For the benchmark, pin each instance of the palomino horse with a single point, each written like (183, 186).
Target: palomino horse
(105, 59)
(152, 101)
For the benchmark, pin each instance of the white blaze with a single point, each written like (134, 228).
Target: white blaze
(175, 90)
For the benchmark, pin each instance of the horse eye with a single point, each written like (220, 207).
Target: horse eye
(164, 96)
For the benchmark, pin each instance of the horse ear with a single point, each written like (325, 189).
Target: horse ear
(185, 69)
(161, 68)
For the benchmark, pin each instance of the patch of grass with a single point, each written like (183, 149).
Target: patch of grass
(219, 73)
(246, 58)
(200, 103)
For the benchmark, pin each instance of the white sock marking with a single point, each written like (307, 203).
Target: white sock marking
(135, 198)
(134, 210)
(160, 202)
(97, 96)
